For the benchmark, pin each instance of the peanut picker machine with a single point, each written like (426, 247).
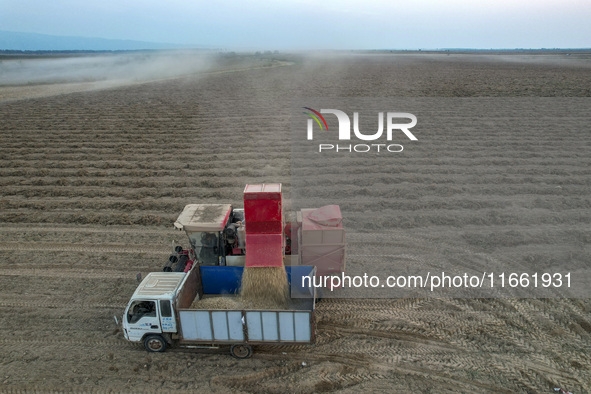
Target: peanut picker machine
(223, 241)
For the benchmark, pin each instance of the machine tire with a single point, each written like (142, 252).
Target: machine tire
(319, 295)
(241, 351)
(155, 343)
(182, 263)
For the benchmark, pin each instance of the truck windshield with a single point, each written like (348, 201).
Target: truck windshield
(206, 247)
(139, 309)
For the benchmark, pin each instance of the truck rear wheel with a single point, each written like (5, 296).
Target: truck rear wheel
(241, 351)
(155, 343)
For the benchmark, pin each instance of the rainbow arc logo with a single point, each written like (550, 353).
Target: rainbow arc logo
(315, 116)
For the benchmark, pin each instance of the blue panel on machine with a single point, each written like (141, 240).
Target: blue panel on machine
(221, 280)
(227, 279)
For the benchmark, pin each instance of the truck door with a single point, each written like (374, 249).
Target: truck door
(142, 317)
(167, 320)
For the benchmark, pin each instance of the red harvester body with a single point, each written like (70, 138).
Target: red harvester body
(264, 225)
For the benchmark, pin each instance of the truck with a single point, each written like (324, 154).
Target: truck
(165, 308)
(159, 313)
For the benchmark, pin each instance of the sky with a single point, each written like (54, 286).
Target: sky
(307, 24)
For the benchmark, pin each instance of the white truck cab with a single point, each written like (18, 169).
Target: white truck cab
(150, 312)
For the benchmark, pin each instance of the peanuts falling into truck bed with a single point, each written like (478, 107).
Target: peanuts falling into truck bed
(264, 283)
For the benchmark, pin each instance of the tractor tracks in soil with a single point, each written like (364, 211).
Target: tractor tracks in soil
(400, 335)
(68, 273)
(41, 304)
(339, 370)
(81, 229)
(26, 388)
(65, 247)
(19, 343)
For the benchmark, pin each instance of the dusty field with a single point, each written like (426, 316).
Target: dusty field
(92, 181)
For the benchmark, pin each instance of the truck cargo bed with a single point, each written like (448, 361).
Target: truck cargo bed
(236, 325)
(247, 326)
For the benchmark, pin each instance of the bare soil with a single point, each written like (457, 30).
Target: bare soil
(91, 182)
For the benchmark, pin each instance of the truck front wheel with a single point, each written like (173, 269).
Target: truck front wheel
(241, 351)
(155, 343)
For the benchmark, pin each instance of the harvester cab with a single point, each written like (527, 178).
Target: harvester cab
(215, 232)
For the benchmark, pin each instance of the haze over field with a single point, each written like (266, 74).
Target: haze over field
(130, 67)
(306, 24)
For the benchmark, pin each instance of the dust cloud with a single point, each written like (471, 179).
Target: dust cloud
(122, 68)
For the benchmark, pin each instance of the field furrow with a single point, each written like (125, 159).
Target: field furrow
(499, 179)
